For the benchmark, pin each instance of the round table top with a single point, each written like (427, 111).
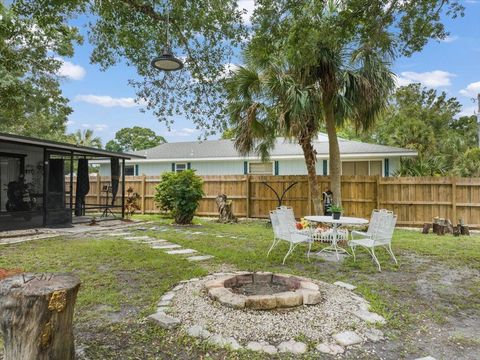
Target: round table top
(342, 220)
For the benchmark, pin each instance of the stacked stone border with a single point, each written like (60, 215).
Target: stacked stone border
(337, 345)
(301, 292)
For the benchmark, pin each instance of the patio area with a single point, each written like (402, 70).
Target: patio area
(430, 302)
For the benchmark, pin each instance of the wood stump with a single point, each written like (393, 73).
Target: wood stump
(36, 316)
(426, 228)
(225, 212)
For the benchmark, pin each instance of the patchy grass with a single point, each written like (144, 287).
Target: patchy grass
(434, 286)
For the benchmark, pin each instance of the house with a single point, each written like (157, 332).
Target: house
(33, 174)
(219, 157)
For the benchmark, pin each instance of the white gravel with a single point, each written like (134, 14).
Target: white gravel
(192, 306)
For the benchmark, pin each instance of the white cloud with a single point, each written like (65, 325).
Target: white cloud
(434, 79)
(471, 90)
(95, 127)
(183, 132)
(449, 39)
(108, 101)
(70, 70)
(248, 6)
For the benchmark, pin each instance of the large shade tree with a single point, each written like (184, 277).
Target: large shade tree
(278, 98)
(342, 49)
(134, 138)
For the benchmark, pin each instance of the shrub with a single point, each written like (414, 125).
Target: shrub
(180, 193)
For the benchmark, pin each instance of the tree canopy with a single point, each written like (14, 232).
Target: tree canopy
(31, 102)
(134, 138)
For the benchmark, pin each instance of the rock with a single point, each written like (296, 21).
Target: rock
(262, 277)
(232, 300)
(310, 297)
(289, 299)
(243, 279)
(216, 283)
(374, 335)
(216, 293)
(181, 252)
(224, 342)
(344, 285)
(200, 258)
(347, 338)
(309, 285)
(164, 320)
(134, 238)
(262, 347)
(178, 287)
(198, 331)
(369, 317)
(168, 296)
(332, 349)
(292, 346)
(164, 303)
(164, 309)
(261, 302)
(426, 358)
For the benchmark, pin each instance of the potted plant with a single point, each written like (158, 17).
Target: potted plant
(336, 211)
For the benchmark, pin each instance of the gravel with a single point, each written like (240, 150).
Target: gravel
(192, 306)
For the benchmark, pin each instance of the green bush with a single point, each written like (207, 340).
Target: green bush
(180, 193)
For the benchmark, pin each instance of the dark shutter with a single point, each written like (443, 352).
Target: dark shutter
(189, 165)
(325, 169)
(136, 170)
(245, 167)
(387, 168)
(173, 167)
(276, 168)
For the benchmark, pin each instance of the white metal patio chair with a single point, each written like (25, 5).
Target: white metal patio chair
(284, 230)
(379, 234)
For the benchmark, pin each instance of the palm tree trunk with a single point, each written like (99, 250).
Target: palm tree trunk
(310, 160)
(335, 164)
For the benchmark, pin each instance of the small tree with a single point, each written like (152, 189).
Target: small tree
(180, 193)
(131, 204)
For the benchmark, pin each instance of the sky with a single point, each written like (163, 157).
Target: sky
(103, 100)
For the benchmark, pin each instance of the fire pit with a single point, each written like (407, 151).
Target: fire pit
(263, 291)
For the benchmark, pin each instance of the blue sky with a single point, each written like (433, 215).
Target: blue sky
(104, 102)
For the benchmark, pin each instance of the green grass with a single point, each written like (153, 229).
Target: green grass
(120, 276)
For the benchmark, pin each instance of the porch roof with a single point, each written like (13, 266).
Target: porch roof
(59, 146)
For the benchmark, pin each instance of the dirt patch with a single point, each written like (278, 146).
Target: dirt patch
(4, 273)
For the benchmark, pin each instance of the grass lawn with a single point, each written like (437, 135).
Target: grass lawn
(431, 301)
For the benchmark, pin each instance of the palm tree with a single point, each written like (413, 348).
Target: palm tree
(86, 138)
(268, 99)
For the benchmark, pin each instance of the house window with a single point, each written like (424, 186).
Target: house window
(362, 168)
(129, 170)
(179, 167)
(260, 168)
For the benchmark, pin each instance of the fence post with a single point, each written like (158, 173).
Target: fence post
(454, 200)
(142, 194)
(99, 184)
(247, 191)
(377, 189)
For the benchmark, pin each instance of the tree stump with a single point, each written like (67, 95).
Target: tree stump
(36, 315)
(426, 228)
(225, 213)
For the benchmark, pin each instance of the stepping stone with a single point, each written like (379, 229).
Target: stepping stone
(168, 296)
(369, 317)
(332, 349)
(224, 342)
(200, 258)
(119, 234)
(181, 252)
(330, 256)
(165, 321)
(157, 242)
(164, 303)
(133, 238)
(374, 335)
(165, 247)
(345, 285)
(347, 338)
(292, 346)
(426, 358)
(262, 346)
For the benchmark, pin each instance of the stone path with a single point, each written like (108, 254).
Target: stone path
(164, 245)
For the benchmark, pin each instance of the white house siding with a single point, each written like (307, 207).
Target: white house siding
(236, 167)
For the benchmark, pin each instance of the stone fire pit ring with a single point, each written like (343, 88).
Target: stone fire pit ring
(293, 291)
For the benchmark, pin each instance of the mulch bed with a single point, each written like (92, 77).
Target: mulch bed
(4, 273)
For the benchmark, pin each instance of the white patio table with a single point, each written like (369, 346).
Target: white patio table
(344, 220)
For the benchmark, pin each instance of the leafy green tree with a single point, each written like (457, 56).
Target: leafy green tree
(342, 52)
(86, 138)
(228, 133)
(133, 139)
(31, 102)
(468, 164)
(180, 193)
(204, 34)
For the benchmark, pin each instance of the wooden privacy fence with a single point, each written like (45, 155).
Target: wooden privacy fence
(415, 200)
